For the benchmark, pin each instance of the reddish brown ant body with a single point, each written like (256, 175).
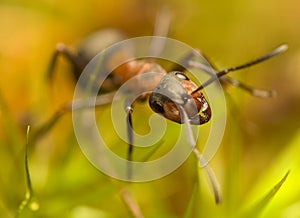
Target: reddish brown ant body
(173, 94)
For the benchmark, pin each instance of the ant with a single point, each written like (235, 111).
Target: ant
(174, 95)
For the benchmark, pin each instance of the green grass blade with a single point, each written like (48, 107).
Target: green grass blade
(190, 209)
(261, 205)
(30, 200)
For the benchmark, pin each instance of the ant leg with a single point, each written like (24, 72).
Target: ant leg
(210, 70)
(77, 63)
(45, 127)
(131, 203)
(129, 104)
(185, 61)
(100, 100)
(69, 107)
(161, 28)
(129, 111)
(261, 93)
(202, 161)
(278, 50)
(162, 22)
(227, 80)
(188, 62)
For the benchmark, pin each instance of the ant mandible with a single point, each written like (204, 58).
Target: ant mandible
(173, 95)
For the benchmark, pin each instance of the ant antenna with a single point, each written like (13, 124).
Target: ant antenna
(280, 49)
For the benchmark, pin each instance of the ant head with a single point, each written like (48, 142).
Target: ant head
(175, 90)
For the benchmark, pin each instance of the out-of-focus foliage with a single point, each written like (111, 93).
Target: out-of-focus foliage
(262, 137)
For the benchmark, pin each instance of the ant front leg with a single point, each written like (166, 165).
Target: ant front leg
(220, 75)
(201, 159)
(129, 105)
(225, 80)
(78, 63)
(129, 111)
(210, 69)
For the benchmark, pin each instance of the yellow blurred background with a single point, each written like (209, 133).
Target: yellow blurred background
(262, 135)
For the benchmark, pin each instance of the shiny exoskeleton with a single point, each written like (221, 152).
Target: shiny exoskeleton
(175, 89)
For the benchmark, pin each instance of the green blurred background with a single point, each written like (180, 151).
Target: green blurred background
(262, 139)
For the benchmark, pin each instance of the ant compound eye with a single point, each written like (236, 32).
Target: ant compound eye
(181, 76)
(157, 107)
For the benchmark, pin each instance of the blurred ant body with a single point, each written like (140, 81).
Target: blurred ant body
(173, 94)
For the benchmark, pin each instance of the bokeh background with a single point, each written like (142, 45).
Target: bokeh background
(262, 139)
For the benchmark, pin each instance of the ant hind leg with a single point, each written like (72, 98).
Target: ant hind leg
(77, 62)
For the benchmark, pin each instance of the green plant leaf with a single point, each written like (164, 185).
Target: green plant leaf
(260, 206)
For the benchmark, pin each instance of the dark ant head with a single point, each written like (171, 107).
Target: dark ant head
(175, 90)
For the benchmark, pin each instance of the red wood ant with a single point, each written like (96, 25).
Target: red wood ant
(173, 94)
